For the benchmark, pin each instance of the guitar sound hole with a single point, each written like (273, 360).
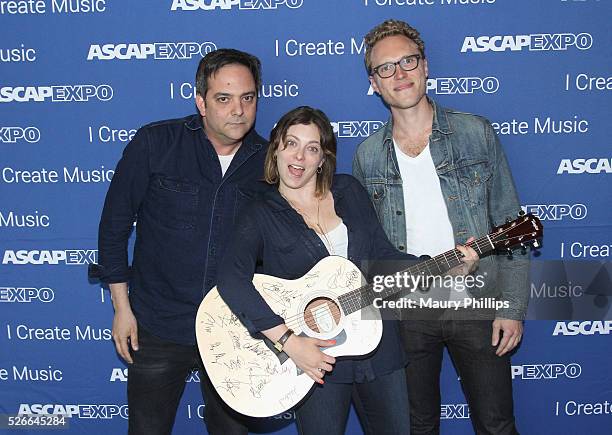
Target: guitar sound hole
(322, 315)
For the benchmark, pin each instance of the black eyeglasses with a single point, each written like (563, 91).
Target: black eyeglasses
(407, 63)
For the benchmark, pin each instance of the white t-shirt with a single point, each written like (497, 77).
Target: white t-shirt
(336, 241)
(225, 162)
(428, 228)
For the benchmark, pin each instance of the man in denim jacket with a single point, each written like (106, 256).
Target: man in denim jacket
(437, 176)
(183, 182)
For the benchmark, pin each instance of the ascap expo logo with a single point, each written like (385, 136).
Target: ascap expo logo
(587, 327)
(14, 134)
(26, 294)
(533, 42)
(557, 212)
(90, 411)
(55, 94)
(36, 257)
(211, 5)
(580, 166)
(356, 128)
(153, 50)
(546, 371)
(459, 85)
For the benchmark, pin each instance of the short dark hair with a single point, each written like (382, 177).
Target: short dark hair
(391, 28)
(217, 59)
(304, 115)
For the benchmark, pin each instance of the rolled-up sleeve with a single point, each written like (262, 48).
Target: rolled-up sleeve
(235, 279)
(123, 199)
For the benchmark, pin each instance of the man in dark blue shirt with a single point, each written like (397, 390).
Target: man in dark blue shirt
(181, 180)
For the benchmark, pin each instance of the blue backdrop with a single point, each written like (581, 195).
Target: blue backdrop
(78, 77)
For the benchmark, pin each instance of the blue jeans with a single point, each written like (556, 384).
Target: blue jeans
(485, 377)
(156, 381)
(382, 406)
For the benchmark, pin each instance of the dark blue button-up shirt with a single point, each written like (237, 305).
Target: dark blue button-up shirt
(169, 180)
(272, 238)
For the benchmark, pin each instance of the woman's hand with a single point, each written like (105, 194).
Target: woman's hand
(305, 353)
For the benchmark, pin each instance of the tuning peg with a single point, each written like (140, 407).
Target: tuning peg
(508, 220)
(509, 254)
(521, 213)
(523, 249)
(535, 244)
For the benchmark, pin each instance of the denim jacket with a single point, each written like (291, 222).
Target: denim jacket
(477, 187)
(169, 180)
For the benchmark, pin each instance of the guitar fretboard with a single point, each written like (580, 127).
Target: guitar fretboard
(364, 296)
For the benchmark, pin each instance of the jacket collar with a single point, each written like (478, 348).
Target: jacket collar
(440, 123)
(278, 203)
(252, 140)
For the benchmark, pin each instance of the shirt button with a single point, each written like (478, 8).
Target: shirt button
(399, 212)
(401, 247)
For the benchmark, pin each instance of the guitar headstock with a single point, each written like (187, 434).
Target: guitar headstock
(526, 230)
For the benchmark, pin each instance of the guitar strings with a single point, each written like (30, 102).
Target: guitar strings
(358, 294)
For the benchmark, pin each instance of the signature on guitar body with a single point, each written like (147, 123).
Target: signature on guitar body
(247, 374)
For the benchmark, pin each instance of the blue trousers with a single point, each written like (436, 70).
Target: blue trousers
(485, 377)
(382, 406)
(156, 381)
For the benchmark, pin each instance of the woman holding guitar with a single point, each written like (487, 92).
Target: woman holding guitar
(307, 214)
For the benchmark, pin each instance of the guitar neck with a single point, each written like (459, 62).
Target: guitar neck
(362, 297)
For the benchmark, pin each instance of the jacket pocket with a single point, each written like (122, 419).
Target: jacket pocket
(174, 202)
(376, 189)
(473, 176)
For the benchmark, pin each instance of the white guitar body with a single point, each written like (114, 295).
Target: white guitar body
(247, 374)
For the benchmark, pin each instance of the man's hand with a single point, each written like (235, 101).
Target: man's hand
(511, 335)
(125, 332)
(125, 327)
(470, 260)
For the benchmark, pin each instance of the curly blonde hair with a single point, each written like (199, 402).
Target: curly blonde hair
(391, 28)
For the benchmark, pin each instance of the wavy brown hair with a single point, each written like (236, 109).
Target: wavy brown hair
(304, 115)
